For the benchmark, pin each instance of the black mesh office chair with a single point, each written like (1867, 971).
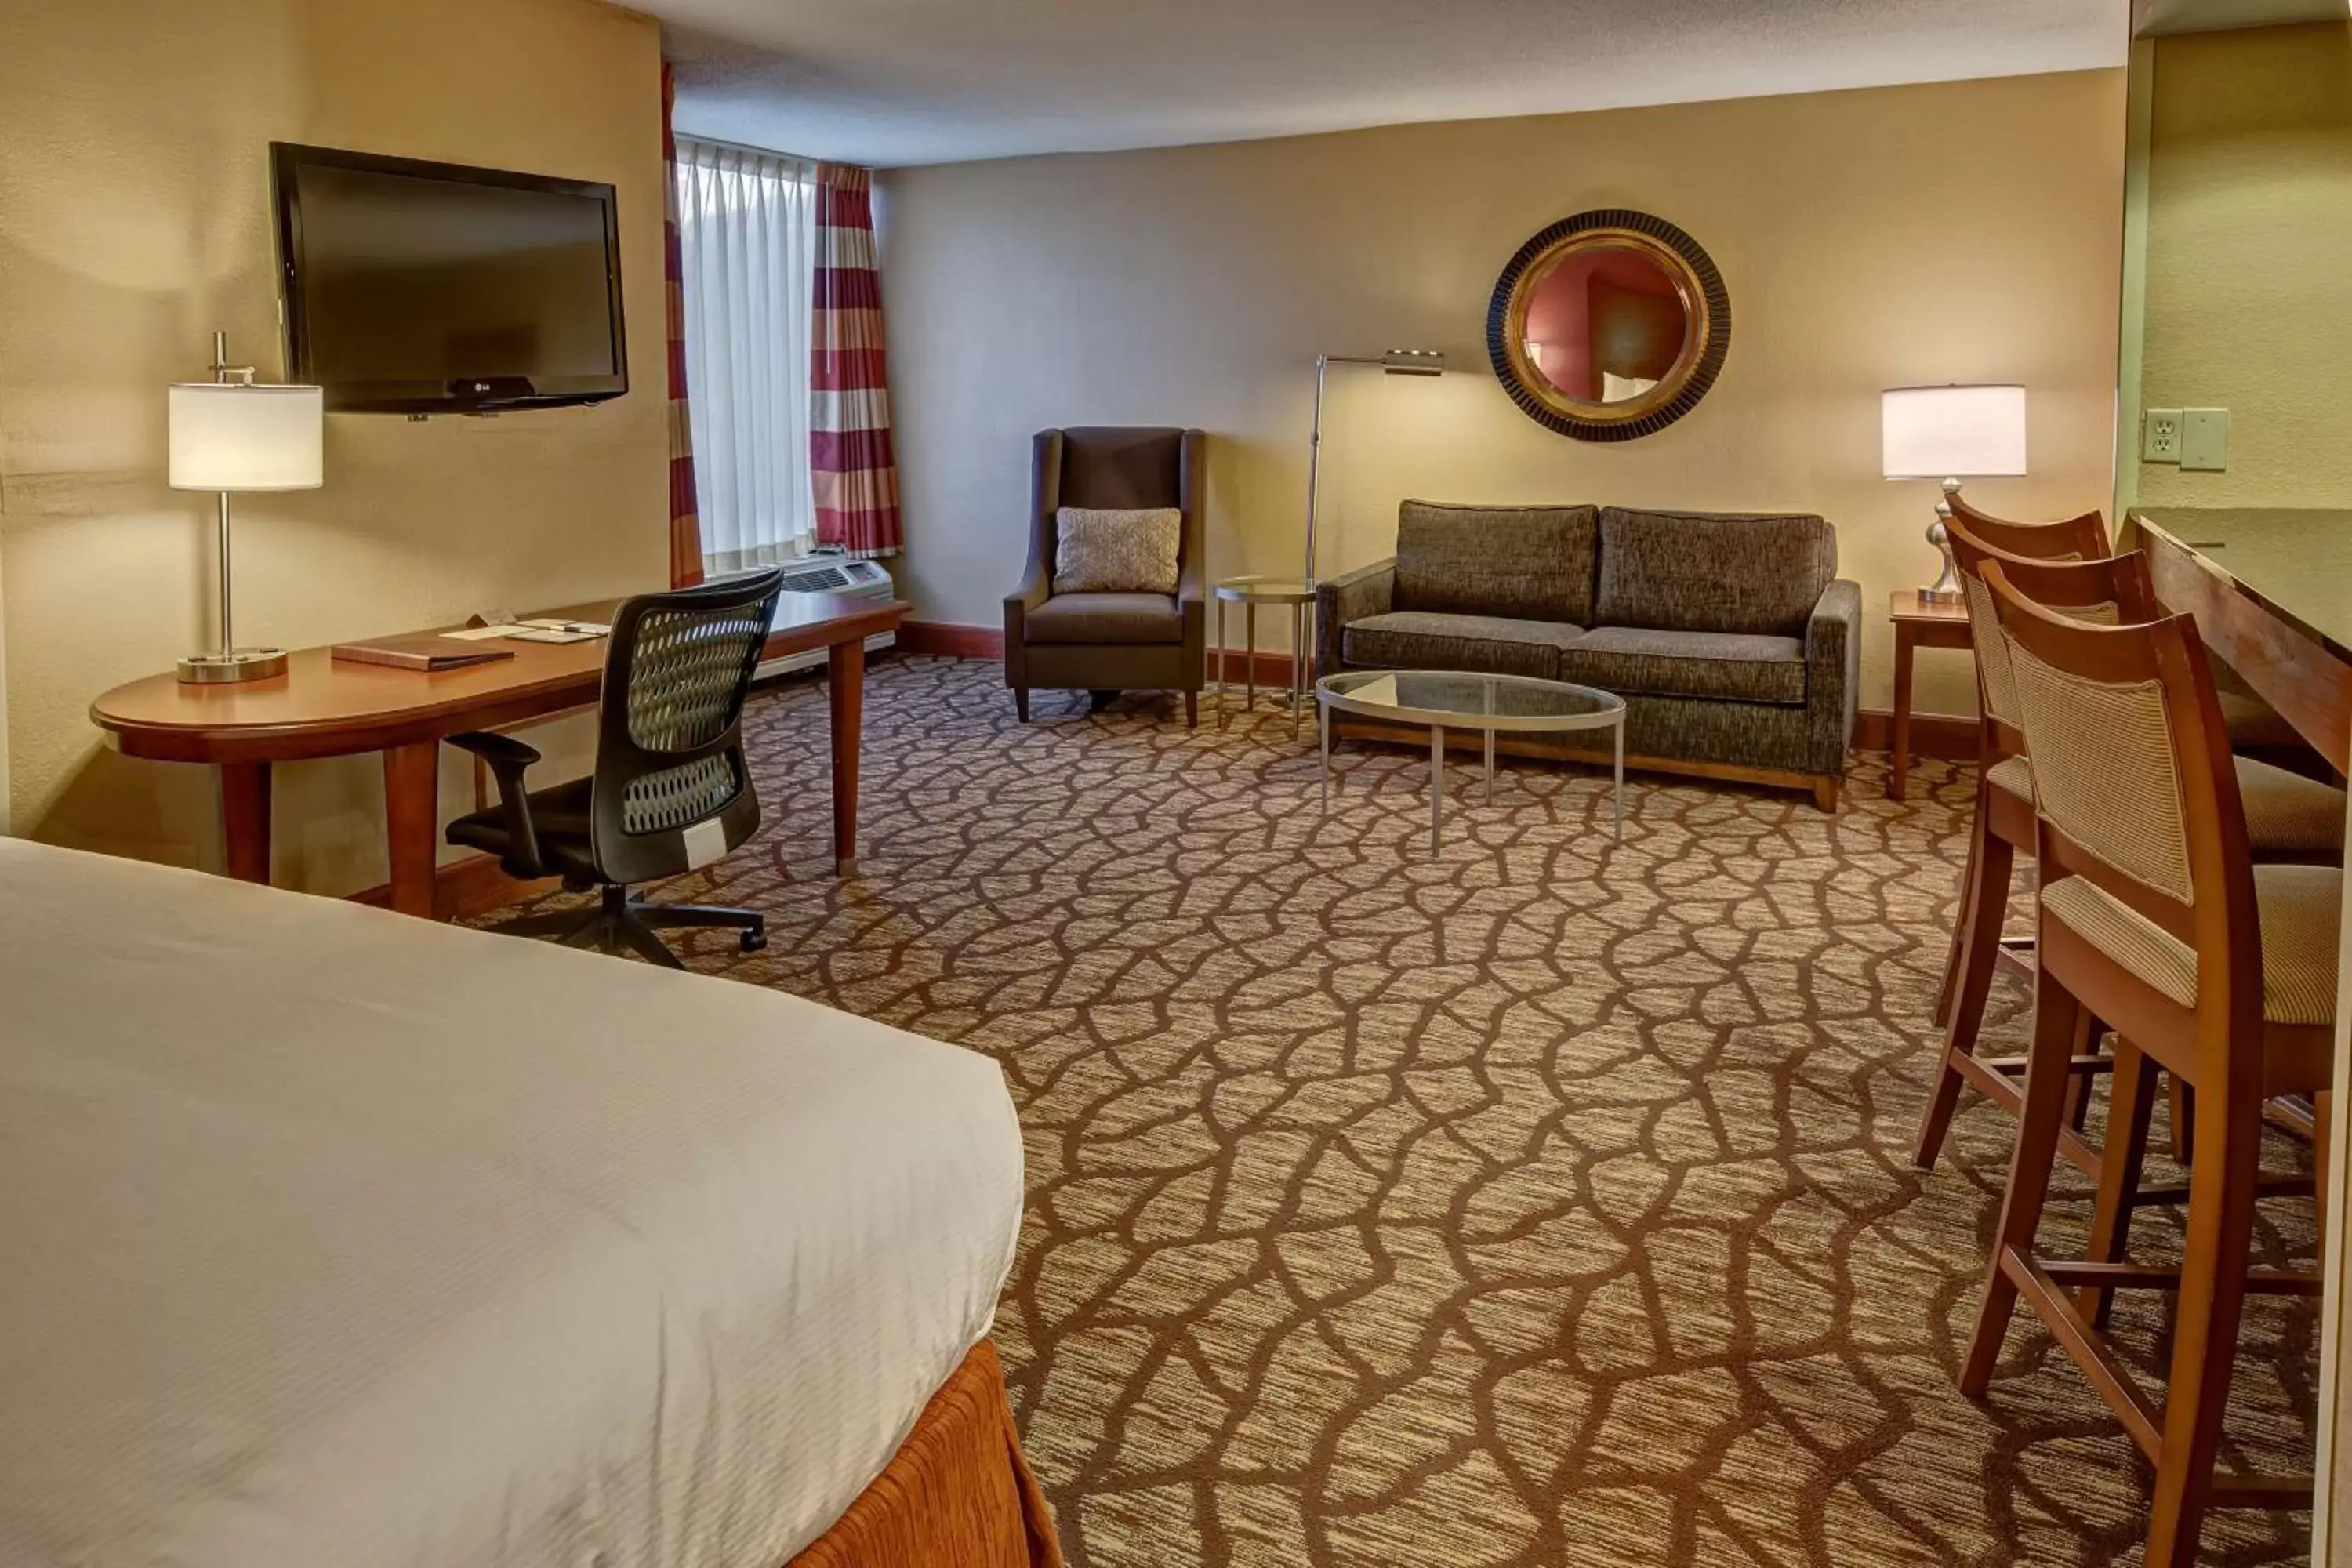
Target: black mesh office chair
(670, 791)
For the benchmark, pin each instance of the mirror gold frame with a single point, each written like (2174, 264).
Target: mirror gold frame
(1707, 309)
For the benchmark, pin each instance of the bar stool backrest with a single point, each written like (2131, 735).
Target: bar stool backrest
(2106, 591)
(2082, 538)
(2135, 786)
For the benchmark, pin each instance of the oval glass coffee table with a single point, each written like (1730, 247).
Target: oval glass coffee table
(1465, 700)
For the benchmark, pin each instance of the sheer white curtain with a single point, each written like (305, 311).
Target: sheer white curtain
(746, 241)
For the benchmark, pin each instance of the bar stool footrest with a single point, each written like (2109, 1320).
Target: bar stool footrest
(2109, 1379)
(2157, 1277)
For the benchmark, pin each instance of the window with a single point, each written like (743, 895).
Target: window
(747, 243)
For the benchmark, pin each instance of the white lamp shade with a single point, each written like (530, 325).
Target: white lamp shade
(235, 437)
(1952, 432)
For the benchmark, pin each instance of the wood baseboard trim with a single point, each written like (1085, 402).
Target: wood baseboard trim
(954, 641)
(1950, 737)
(467, 888)
(1273, 668)
(949, 640)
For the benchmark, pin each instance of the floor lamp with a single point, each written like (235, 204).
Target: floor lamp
(1396, 361)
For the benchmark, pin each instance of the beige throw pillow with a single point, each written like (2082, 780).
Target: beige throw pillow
(1104, 551)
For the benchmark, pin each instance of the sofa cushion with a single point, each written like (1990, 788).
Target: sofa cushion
(1713, 572)
(1106, 618)
(1522, 563)
(1424, 639)
(1726, 667)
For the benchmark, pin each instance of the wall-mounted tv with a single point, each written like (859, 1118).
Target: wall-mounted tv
(417, 287)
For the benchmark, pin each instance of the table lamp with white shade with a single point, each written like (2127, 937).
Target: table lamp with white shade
(1951, 433)
(232, 435)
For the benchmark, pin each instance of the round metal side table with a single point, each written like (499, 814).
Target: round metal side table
(1250, 593)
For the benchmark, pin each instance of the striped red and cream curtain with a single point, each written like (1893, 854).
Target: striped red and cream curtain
(685, 525)
(854, 467)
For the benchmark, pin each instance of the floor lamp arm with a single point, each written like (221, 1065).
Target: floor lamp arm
(1315, 463)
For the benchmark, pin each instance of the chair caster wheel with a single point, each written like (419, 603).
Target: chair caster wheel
(751, 940)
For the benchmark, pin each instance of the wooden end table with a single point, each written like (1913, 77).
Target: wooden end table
(1919, 622)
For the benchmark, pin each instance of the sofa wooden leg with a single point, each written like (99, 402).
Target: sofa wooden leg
(1021, 702)
(1192, 710)
(1825, 793)
(1098, 699)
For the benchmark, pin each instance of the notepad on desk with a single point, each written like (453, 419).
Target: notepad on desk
(540, 631)
(425, 653)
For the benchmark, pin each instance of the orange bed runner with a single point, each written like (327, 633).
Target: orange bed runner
(958, 1493)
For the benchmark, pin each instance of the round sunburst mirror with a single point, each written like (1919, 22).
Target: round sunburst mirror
(1608, 325)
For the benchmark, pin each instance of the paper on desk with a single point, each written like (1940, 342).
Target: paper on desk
(483, 634)
(592, 628)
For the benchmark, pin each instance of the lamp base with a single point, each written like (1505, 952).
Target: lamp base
(238, 663)
(1946, 589)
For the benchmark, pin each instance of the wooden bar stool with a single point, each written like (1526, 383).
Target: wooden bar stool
(2291, 818)
(2154, 918)
(2082, 538)
(2255, 728)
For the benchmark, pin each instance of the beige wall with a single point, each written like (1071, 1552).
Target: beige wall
(134, 219)
(2249, 293)
(1961, 232)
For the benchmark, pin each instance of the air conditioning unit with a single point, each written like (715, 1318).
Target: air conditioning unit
(830, 574)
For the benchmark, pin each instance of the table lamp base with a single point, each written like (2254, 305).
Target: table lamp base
(238, 664)
(1946, 589)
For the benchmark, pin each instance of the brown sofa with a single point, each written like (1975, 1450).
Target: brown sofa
(1730, 636)
(1106, 643)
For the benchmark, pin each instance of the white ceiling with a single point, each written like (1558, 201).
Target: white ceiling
(917, 81)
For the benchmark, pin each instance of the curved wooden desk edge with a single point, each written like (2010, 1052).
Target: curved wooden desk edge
(2296, 669)
(323, 707)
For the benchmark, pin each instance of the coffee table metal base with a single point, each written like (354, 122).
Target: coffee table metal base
(1437, 774)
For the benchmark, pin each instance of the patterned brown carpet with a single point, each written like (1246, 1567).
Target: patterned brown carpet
(1546, 1202)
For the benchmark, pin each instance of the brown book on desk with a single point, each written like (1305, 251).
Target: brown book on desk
(426, 653)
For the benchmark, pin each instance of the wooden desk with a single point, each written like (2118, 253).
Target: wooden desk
(2272, 592)
(323, 706)
(1917, 624)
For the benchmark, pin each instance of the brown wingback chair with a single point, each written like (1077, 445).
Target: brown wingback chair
(1111, 642)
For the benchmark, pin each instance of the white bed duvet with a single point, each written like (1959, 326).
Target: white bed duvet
(330, 1238)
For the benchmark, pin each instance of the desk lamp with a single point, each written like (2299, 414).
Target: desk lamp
(231, 434)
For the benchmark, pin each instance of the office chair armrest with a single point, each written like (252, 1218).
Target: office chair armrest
(508, 758)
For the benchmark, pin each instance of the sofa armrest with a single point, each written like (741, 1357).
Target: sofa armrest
(1351, 597)
(1036, 588)
(1192, 608)
(1833, 674)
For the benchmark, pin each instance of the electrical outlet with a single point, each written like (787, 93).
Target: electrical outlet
(2205, 439)
(2161, 441)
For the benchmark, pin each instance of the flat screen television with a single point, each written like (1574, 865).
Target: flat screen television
(417, 287)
